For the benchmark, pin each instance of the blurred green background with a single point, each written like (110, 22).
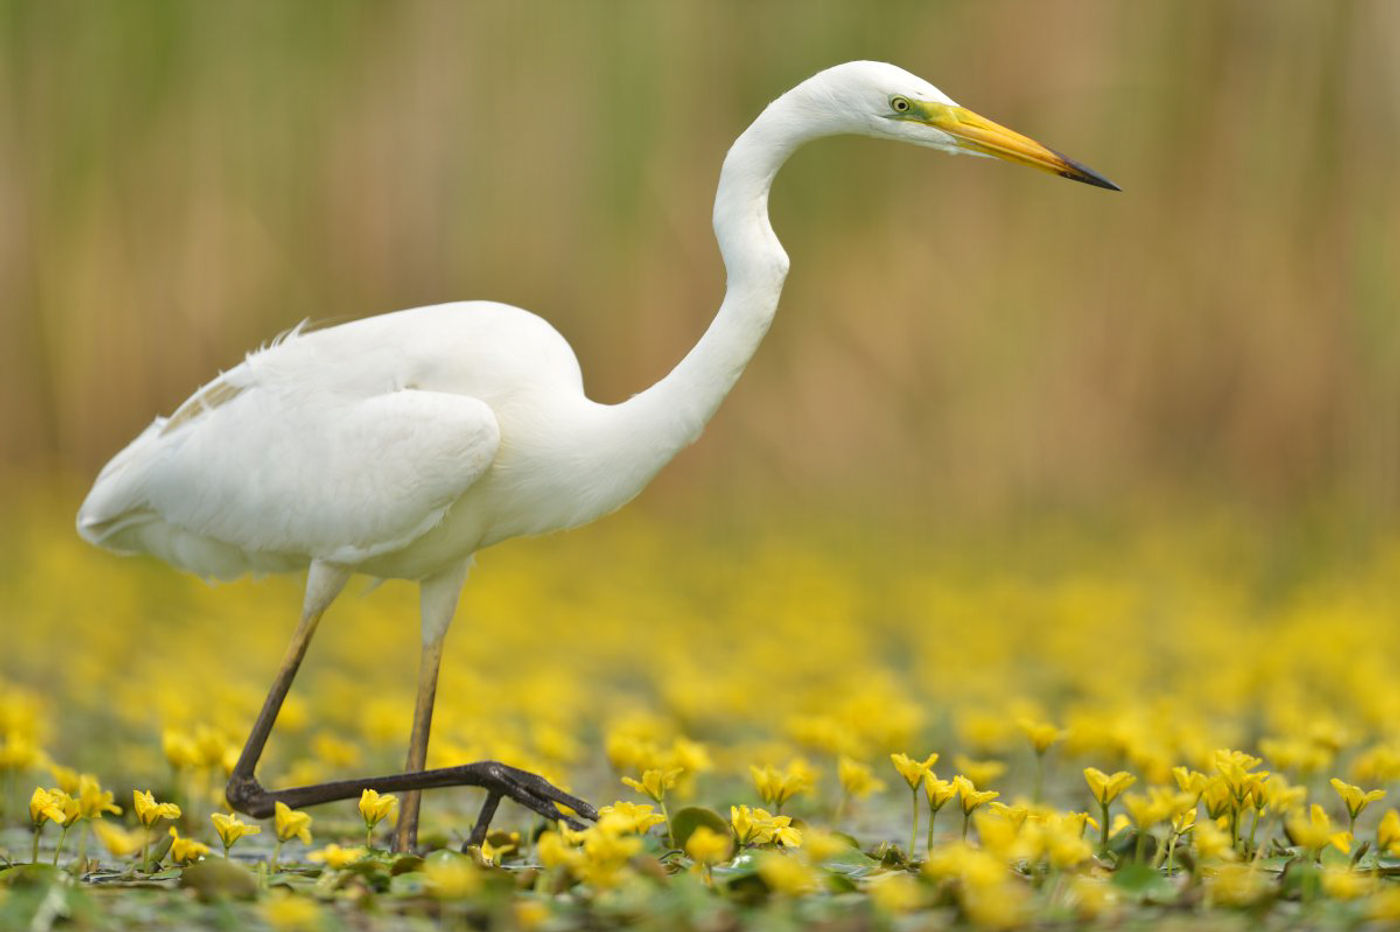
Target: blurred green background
(180, 181)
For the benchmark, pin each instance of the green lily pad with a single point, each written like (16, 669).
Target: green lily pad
(686, 821)
(219, 878)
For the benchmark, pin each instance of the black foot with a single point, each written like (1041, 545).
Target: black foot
(529, 790)
(533, 792)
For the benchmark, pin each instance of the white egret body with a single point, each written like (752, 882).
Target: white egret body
(399, 445)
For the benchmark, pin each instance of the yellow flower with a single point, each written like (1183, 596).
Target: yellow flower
(1388, 833)
(1067, 849)
(376, 807)
(1315, 833)
(1236, 885)
(1091, 898)
(760, 827)
(121, 842)
(1107, 788)
(895, 893)
(554, 851)
(857, 779)
(66, 778)
(149, 811)
(938, 791)
(776, 787)
(971, 796)
(982, 773)
(655, 782)
(181, 751)
(1385, 905)
(231, 828)
(288, 911)
(1040, 734)
(185, 850)
(1343, 883)
(706, 846)
(495, 854)
(290, 824)
(786, 875)
(1354, 797)
(913, 770)
(337, 857)
(1212, 842)
(631, 817)
(93, 800)
(46, 806)
(450, 876)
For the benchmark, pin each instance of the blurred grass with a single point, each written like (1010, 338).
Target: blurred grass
(180, 181)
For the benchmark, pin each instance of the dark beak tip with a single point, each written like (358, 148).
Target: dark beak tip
(1085, 174)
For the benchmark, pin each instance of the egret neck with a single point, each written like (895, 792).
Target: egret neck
(670, 415)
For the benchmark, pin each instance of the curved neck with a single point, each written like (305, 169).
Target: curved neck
(671, 414)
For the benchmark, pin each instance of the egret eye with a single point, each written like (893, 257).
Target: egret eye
(900, 104)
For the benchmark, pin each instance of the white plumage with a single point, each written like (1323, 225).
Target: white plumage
(399, 445)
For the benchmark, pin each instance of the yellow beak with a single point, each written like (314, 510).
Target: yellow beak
(979, 134)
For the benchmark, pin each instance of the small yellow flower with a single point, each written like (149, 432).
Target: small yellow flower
(1040, 734)
(494, 855)
(450, 876)
(66, 778)
(938, 791)
(1343, 883)
(895, 893)
(776, 787)
(376, 807)
(1388, 833)
(290, 824)
(149, 811)
(857, 779)
(1236, 885)
(982, 773)
(336, 857)
(708, 847)
(287, 911)
(1354, 797)
(231, 828)
(121, 842)
(1107, 788)
(971, 796)
(1315, 833)
(760, 827)
(181, 750)
(913, 770)
(46, 806)
(185, 850)
(655, 783)
(93, 800)
(786, 875)
(631, 817)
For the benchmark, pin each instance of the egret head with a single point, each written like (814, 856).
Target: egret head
(883, 100)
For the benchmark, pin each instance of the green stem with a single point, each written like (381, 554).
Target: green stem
(1141, 847)
(1253, 828)
(1039, 777)
(276, 853)
(932, 815)
(914, 831)
(34, 858)
(967, 820)
(665, 814)
(62, 835)
(1103, 828)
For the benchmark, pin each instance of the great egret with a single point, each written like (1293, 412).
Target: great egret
(399, 445)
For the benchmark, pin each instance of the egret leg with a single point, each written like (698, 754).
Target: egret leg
(406, 834)
(323, 583)
(246, 795)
